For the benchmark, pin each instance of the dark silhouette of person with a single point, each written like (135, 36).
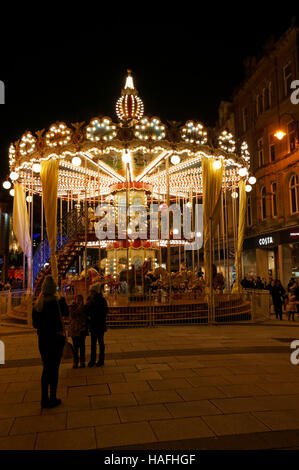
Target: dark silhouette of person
(47, 319)
(278, 293)
(96, 311)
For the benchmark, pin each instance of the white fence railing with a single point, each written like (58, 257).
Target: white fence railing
(261, 302)
(152, 310)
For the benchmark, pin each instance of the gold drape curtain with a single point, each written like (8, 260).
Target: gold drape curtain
(241, 227)
(21, 226)
(49, 179)
(212, 184)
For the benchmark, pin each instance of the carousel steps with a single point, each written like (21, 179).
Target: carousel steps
(65, 258)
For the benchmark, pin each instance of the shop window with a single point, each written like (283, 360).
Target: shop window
(274, 199)
(294, 194)
(249, 212)
(260, 152)
(263, 203)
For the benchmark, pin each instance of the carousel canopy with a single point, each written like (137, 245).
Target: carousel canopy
(93, 156)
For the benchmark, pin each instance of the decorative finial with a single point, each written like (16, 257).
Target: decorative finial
(129, 81)
(129, 106)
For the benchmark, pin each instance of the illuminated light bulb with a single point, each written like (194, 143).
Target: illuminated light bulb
(12, 192)
(6, 184)
(126, 157)
(242, 171)
(14, 175)
(175, 159)
(198, 234)
(29, 198)
(217, 164)
(76, 161)
(235, 195)
(280, 134)
(248, 188)
(252, 180)
(175, 231)
(188, 204)
(130, 231)
(36, 167)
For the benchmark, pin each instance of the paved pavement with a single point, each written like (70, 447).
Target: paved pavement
(170, 387)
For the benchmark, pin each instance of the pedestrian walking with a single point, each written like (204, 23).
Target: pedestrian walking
(78, 330)
(47, 319)
(96, 310)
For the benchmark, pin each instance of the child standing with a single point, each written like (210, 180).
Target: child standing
(292, 304)
(78, 330)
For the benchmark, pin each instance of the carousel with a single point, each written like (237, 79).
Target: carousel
(124, 189)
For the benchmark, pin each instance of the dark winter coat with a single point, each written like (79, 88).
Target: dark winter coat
(96, 311)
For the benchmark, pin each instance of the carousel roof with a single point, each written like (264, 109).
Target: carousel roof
(93, 156)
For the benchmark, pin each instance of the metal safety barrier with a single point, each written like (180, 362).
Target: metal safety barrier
(261, 301)
(155, 309)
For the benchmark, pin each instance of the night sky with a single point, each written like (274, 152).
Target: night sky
(182, 66)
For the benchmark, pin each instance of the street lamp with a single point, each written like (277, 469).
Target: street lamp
(280, 133)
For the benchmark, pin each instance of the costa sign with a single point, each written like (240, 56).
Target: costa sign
(264, 241)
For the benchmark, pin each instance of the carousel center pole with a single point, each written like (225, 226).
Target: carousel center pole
(127, 241)
(85, 238)
(168, 241)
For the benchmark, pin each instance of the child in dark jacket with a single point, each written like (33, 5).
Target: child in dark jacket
(78, 330)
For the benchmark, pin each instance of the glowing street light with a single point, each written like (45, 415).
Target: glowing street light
(280, 134)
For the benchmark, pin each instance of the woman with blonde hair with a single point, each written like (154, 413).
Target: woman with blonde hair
(47, 319)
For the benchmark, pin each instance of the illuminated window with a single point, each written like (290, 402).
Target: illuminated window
(294, 194)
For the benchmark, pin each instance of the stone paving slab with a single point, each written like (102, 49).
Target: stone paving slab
(79, 419)
(72, 439)
(21, 442)
(115, 400)
(192, 408)
(229, 424)
(200, 393)
(29, 424)
(168, 386)
(143, 413)
(124, 434)
(5, 426)
(181, 428)
(279, 420)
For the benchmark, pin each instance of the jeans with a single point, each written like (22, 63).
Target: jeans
(79, 345)
(278, 310)
(51, 349)
(97, 337)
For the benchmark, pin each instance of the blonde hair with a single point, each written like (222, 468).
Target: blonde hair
(48, 291)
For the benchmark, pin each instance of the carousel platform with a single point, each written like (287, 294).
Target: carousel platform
(154, 311)
(125, 311)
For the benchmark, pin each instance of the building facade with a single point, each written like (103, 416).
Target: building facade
(263, 104)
